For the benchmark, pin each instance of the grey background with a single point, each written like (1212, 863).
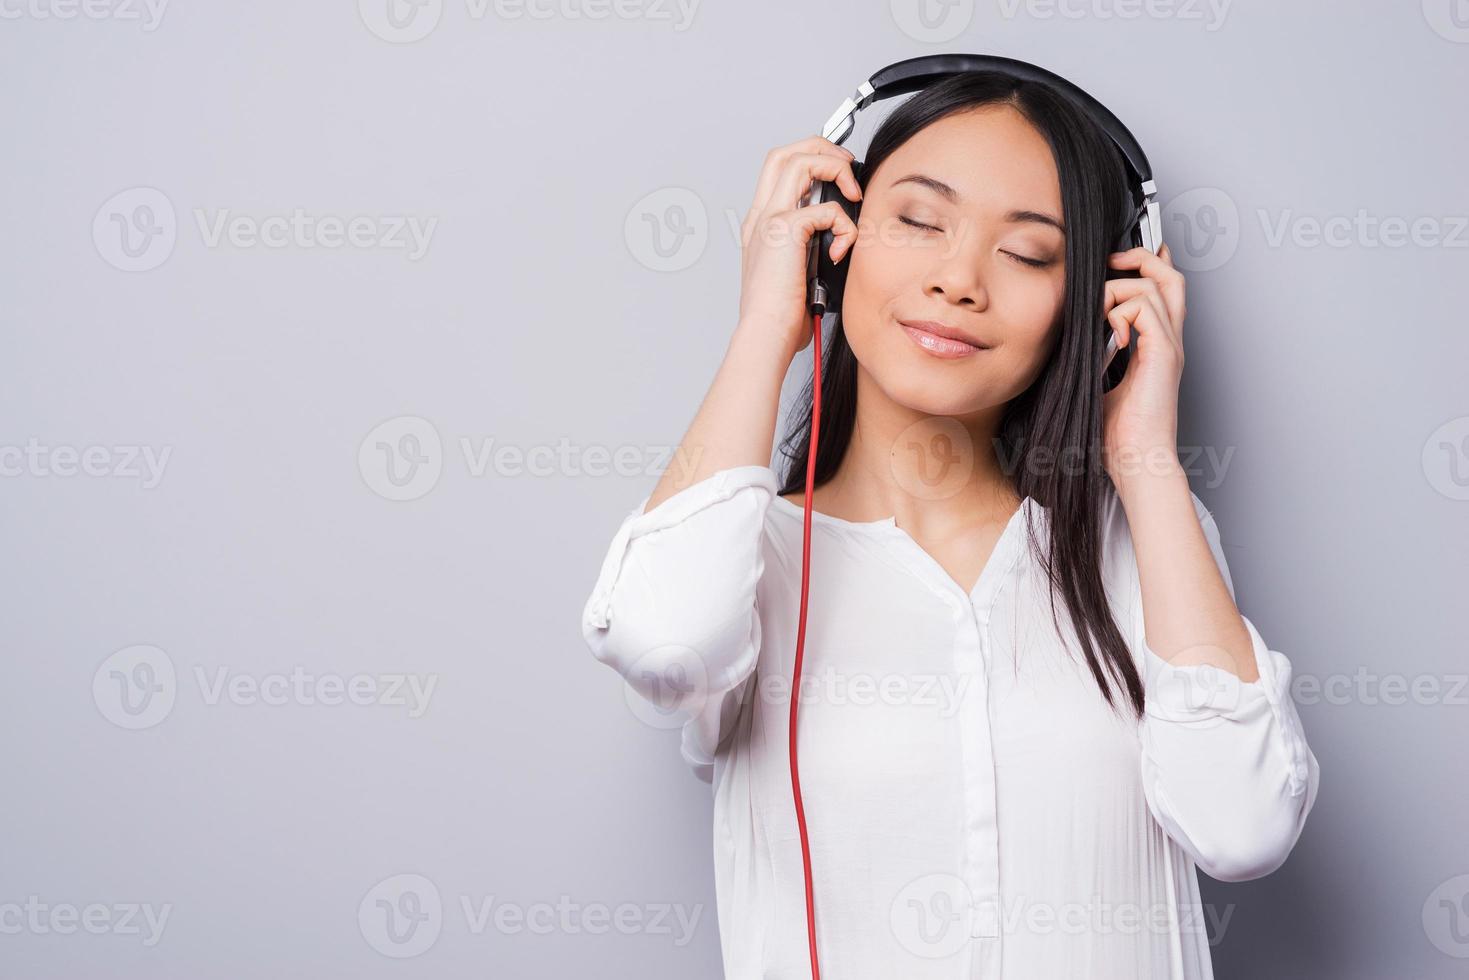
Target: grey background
(540, 317)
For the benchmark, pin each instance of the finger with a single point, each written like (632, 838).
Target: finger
(1170, 280)
(800, 225)
(1139, 319)
(1175, 297)
(1143, 259)
(1123, 317)
(805, 168)
(1120, 317)
(795, 183)
(815, 218)
(774, 165)
(843, 228)
(1118, 290)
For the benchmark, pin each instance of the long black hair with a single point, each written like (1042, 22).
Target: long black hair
(1059, 417)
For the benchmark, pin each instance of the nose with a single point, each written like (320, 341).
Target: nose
(955, 276)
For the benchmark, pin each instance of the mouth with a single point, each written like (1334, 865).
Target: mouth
(940, 339)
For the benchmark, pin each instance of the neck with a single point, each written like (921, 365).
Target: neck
(937, 475)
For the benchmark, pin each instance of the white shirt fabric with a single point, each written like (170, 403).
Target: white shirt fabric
(974, 807)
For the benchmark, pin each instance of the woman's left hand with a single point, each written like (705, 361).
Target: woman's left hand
(1140, 415)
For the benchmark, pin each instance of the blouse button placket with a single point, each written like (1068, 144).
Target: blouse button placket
(980, 864)
(981, 844)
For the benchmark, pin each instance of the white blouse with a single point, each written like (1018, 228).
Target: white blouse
(974, 807)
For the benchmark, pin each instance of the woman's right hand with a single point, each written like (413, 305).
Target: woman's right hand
(777, 232)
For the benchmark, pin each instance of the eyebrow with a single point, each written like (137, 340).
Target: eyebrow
(952, 196)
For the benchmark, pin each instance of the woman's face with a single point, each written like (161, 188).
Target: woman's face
(984, 183)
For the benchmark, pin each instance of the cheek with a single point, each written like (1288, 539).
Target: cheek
(876, 279)
(1037, 313)
(887, 266)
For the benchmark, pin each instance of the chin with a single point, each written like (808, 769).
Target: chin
(930, 389)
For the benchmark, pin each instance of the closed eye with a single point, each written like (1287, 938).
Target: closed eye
(1032, 263)
(916, 224)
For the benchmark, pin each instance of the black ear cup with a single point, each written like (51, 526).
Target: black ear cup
(834, 274)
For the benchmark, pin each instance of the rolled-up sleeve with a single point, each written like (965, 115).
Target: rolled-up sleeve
(1225, 765)
(673, 608)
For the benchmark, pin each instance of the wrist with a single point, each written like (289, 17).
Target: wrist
(1141, 473)
(770, 339)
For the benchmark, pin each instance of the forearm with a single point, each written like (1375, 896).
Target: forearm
(1190, 616)
(735, 424)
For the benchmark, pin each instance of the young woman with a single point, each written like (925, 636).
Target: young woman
(1031, 707)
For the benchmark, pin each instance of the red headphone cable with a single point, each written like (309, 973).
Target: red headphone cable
(801, 641)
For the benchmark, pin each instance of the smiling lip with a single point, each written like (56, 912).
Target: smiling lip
(940, 339)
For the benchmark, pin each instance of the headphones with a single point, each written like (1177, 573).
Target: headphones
(826, 281)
